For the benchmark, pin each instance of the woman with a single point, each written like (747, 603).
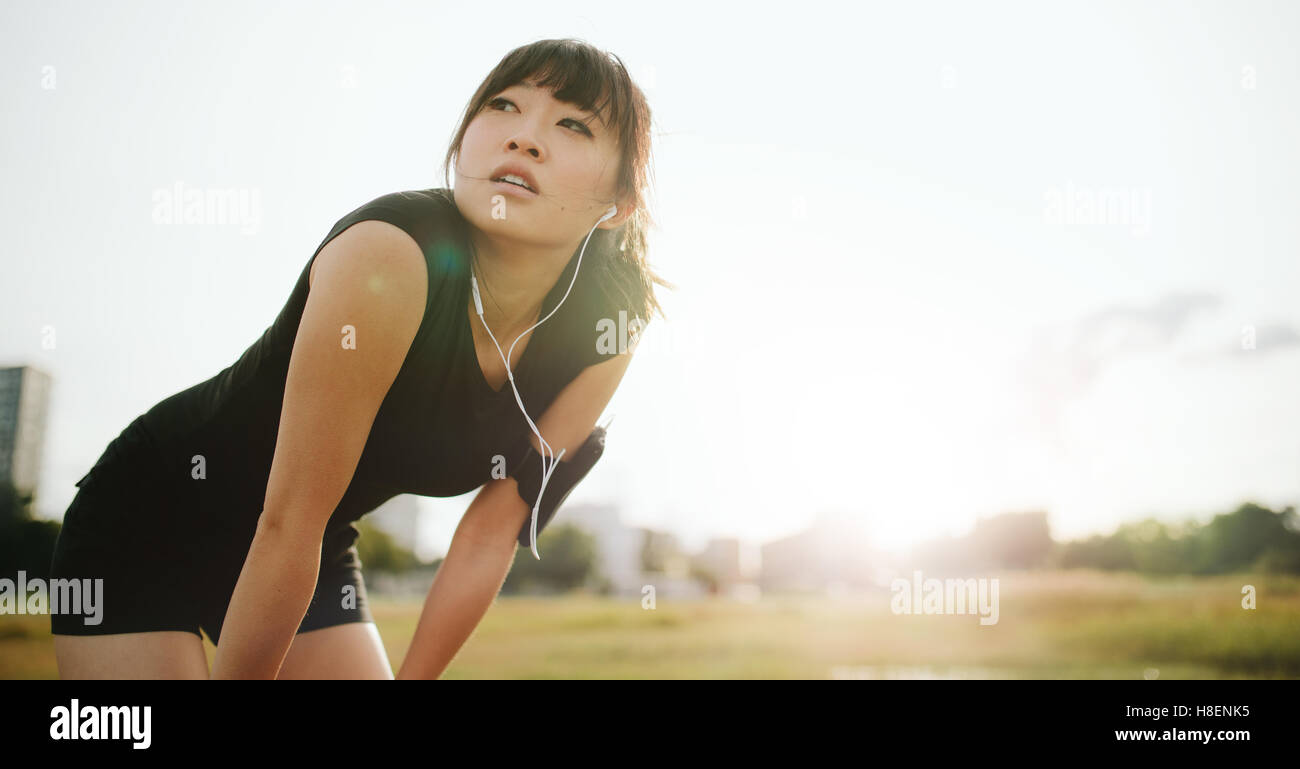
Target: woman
(228, 507)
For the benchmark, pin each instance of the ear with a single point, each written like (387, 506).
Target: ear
(625, 210)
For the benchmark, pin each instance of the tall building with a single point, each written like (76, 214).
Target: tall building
(24, 409)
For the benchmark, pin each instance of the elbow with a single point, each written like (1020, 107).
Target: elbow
(505, 512)
(284, 531)
(485, 534)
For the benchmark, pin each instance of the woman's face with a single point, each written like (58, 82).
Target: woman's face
(569, 157)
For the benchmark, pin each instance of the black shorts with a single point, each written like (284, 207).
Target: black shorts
(159, 575)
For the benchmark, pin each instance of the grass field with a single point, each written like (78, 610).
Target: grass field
(1051, 625)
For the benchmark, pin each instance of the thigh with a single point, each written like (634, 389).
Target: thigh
(350, 651)
(167, 654)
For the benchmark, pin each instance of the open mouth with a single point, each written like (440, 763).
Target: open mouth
(515, 180)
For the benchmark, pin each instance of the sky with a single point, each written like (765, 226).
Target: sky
(934, 261)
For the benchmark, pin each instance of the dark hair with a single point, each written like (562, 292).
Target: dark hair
(593, 80)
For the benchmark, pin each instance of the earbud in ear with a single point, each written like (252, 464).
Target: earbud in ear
(610, 214)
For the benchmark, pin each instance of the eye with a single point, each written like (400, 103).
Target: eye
(499, 102)
(582, 127)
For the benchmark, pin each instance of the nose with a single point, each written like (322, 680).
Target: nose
(529, 146)
(525, 138)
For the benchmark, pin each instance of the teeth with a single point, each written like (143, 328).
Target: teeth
(515, 179)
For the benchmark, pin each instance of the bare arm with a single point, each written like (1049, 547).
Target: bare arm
(466, 583)
(372, 277)
(484, 545)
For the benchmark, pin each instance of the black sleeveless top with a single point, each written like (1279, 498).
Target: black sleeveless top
(435, 433)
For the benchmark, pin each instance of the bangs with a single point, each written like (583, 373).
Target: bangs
(576, 75)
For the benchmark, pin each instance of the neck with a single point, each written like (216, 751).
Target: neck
(513, 280)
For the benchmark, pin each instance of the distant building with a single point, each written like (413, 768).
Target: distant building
(827, 556)
(627, 558)
(618, 546)
(24, 409)
(631, 558)
(733, 566)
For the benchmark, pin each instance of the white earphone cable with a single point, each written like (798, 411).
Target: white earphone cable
(547, 468)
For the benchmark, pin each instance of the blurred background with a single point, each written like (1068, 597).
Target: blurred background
(999, 292)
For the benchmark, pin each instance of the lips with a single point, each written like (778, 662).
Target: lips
(518, 170)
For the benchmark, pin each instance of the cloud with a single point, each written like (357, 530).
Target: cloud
(1061, 365)
(1123, 330)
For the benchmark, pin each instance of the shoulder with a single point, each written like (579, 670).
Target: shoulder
(374, 250)
(428, 217)
(414, 201)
